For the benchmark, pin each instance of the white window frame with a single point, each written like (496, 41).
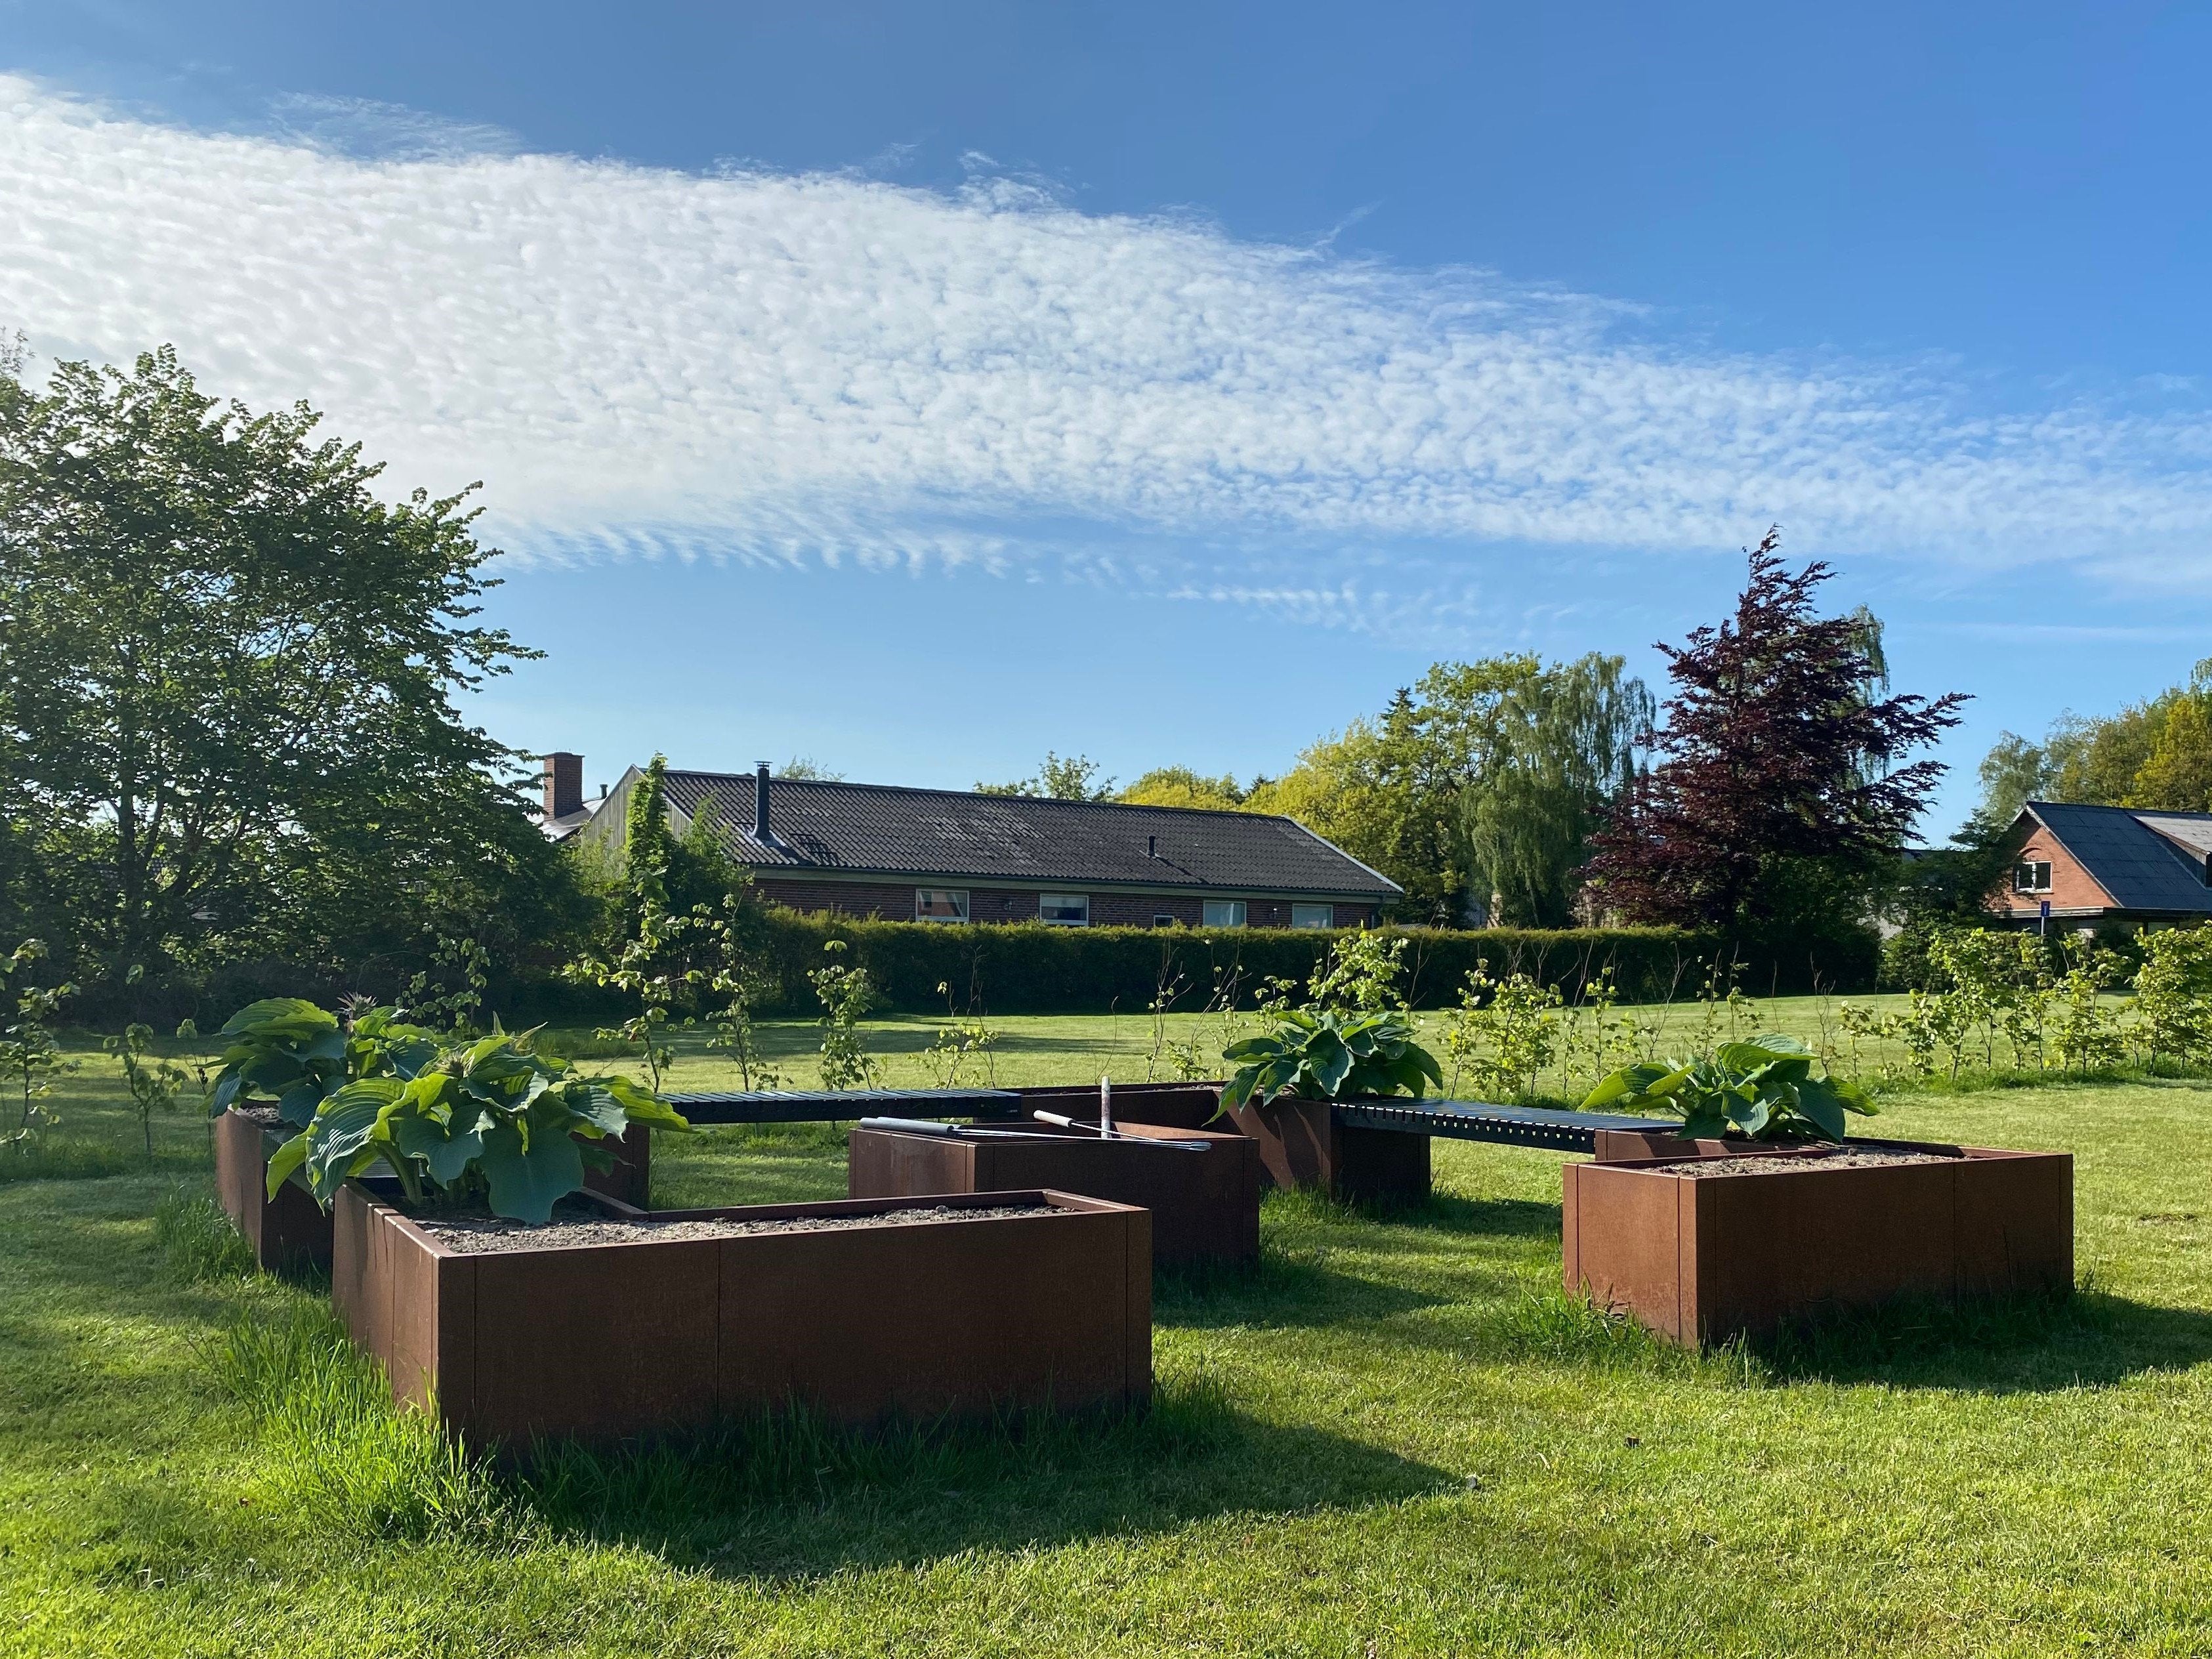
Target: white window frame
(1328, 917)
(2037, 872)
(1235, 908)
(1066, 902)
(957, 895)
(1162, 919)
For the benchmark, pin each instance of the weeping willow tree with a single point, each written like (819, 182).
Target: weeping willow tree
(1565, 741)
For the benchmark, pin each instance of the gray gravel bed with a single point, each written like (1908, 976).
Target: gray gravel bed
(574, 1225)
(1785, 1162)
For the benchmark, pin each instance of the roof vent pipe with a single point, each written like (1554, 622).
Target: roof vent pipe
(1151, 847)
(762, 833)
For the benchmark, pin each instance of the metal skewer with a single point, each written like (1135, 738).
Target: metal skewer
(1116, 1134)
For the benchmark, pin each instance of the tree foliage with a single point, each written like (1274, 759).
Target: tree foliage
(227, 692)
(1475, 789)
(1781, 794)
(1074, 778)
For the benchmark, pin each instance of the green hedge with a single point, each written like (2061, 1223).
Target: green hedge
(1030, 968)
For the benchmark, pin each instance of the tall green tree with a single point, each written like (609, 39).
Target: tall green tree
(228, 684)
(1563, 750)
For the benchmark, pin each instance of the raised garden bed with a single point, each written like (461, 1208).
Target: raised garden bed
(1702, 1254)
(1301, 1144)
(1205, 1206)
(1165, 1105)
(914, 1317)
(291, 1231)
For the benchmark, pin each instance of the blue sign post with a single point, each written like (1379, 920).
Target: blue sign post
(2043, 919)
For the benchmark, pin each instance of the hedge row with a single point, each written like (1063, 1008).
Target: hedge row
(1030, 969)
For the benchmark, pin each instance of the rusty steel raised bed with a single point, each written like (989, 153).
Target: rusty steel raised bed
(1704, 1258)
(1164, 1105)
(1302, 1144)
(911, 1320)
(291, 1231)
(1205, 1206)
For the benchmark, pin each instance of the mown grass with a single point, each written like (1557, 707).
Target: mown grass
(1395, 1437)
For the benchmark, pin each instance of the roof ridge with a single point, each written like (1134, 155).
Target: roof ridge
(987, 794)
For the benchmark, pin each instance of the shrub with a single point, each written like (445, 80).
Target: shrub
(489, 1117)
(1029, 968)
(1762, 1089)
(1324, 1054)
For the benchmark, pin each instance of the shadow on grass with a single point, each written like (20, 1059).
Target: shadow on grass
(789, 1498)
(1291, 1286)
(1999, 1344)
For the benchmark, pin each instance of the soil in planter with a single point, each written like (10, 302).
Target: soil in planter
(1766, 1165)
(575, 1224)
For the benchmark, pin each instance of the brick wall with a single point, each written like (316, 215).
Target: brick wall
(2072, 887)
(895, 903)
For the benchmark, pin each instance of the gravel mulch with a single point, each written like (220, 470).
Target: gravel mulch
(578, 1225)
(1783, 1164)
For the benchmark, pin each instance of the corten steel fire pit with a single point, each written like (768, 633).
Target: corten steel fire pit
(1205, 1206)
(910, 1320)
(292, 1231)
(1702, 1258)
(1301, 1144)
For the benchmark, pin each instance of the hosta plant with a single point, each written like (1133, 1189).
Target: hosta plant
(1761, 1090)
(1329, 1054)
(489, 1118)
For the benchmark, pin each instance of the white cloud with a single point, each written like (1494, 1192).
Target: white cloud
(788, 368)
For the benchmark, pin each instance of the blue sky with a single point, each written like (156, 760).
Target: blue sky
(921, 387)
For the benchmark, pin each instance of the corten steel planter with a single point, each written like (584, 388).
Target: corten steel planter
(1205, 1206)
(1165, 1105)
(911, 1320)
(1704, 1258)
(292, 1231)
(1301, 1144)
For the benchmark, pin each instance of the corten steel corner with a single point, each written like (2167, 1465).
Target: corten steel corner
(1164, 1105)
(1702, 1259)
(292, 1231)
(913, 1320)
(1301, 1144)
(1205, 1206)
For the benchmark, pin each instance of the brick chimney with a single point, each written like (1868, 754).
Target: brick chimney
(564, 784)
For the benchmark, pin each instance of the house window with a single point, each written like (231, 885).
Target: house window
(1163, 920)
(1065, 910)
(1313, 915)
(1224, 913)
(2028, 876)
(940, 904)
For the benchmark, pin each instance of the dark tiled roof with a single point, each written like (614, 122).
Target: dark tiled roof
(2142, 869)
(880, 829)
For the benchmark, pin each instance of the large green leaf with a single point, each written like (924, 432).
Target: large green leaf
(344, 1128)
(445, 1151)
(1329, 1062)
(285, 1159)
(525, 1184)
(278, 1017)
(1629, 1080)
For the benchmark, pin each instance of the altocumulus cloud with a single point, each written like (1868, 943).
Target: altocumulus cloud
(795, 368)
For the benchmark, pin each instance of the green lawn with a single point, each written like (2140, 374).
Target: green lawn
(1397, 1439)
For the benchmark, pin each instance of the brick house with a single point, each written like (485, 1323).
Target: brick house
(870, 849)
(2099, 866)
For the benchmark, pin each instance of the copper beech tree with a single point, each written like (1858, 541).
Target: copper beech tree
(1781, 787)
